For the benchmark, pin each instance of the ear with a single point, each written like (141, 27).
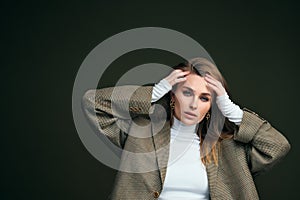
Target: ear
(172, 95)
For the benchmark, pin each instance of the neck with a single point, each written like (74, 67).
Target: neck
(180, 126)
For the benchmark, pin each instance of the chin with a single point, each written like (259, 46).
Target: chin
(188, 122)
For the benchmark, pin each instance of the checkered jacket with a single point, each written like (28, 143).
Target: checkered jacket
(126, 116)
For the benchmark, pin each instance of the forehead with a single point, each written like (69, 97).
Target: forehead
(196, 83)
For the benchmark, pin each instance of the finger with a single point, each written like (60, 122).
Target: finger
(211, 86)
(182, 74)
(219, 89)
(214, 88)
(213, 82)
(216, 85)
(175, 72)
(180, 79)
(209, 77)
(178, 71)
(185, 72)
(178, 74)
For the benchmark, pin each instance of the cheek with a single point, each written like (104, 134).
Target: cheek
(204, 108)
(181, 102)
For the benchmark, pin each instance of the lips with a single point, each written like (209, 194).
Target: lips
(190, 114)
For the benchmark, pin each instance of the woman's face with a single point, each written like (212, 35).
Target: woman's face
(192, 100)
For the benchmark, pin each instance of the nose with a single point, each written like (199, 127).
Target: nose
(194, 103)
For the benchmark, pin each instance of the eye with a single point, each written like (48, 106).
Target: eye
(205, 99)
(187, 93)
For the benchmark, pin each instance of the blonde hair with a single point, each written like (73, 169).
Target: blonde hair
(217, 127)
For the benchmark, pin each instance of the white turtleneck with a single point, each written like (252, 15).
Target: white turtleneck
(186, 176)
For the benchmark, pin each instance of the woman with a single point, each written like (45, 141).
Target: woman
(205, 146)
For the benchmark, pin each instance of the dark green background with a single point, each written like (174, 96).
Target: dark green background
(254, 44)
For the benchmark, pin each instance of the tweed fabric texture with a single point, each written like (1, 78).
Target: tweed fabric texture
(255, 147)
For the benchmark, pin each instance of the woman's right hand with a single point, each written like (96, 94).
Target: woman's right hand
(176, 76)
(165, 85)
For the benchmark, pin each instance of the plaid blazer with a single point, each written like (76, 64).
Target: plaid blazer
(255, 147)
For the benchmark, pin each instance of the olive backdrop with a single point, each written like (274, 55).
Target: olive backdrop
(254, 44)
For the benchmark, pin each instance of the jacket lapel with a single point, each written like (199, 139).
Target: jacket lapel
(211, 170)
(161, 136)
(212, 173)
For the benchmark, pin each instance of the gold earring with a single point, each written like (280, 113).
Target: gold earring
(207, 116)
(172, 104)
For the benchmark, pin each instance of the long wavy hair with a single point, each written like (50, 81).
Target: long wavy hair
(214, 129)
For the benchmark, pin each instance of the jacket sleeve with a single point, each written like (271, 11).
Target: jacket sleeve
(110, 110)
(265, 146)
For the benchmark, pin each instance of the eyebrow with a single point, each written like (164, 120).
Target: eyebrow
(203, 93)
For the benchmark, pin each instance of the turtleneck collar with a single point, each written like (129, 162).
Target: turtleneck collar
(181, 127)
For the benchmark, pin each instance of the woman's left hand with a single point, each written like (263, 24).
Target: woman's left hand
(226, 106)
(215, 85)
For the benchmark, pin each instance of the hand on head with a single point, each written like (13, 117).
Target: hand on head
(177, 76)
(215, 85)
